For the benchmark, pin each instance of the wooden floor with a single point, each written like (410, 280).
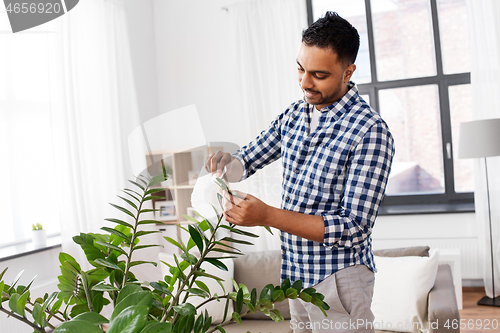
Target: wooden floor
(478, 317)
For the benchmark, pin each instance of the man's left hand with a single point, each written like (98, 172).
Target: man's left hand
(245, 209)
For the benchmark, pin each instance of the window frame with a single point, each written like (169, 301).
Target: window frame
(449, 201)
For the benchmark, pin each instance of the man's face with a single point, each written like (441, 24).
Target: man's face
(322, 78)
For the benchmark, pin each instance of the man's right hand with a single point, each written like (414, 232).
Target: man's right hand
(216, 162)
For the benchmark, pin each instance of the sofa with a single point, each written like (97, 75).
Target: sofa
(257, 269)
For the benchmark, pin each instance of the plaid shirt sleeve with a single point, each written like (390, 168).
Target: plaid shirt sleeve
(367, 174)
(265, 149)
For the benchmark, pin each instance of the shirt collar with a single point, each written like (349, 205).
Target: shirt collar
(339, 107)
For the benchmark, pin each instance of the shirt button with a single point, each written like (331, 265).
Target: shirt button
(297, 171)
(287, 199)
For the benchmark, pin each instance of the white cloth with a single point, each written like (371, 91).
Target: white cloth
(485, 78)
(266, 39)
(93, 110)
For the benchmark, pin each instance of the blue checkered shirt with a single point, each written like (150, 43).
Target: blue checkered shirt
(339, 171)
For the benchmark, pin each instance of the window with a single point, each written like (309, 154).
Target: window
(413, 66)
(26, 156)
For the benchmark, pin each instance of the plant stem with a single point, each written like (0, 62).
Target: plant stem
(132, 240)
(209, 248)
(24, 320)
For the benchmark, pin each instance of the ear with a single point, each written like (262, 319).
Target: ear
(348, 72)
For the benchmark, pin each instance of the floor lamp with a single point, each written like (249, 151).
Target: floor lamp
(481, 139)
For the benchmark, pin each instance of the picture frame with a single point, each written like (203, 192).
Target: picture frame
(167, 211)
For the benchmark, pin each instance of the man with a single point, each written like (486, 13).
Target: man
(336, 153)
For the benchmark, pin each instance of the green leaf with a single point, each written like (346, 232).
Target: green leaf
(202, 286)
(21, 303)
(140, 262)
(191, 219)
(278, 295)
(128, 201)
(38, 315)
(104, 287)
(309, 291)
(137, 184)
(148, 221)
(132, 196)
(268, 229)
(146, 232)
(198, 292)
(2, 285)
(297, 285)
(217, 263)
(128, 225)
(107, 263)
(77, 326)
(112, 247)
(154, 190)
(130, 320)
(208, 322)
(239, 302)
(146, 246)
(198, 325)
(279, 316)
(291, 293)
(285, 284)
(189, 258)
(226, 307)
(267, 292)
(141, 298)
(154, 197)
(238, 241)
(200, 273)
(117, 233)
(236, 317)
(157, 179)
(65, 257)
(197, 238)
(16, 280)
(253, 297)
(13, 303)
(238, 231)
(161, 288)
(3, 273)
(155, 327)
(185, 309)
(221, 329)
(227, 251)
(126, 211)
(175, 243)
(305, 297)
(319, 303)
(92, 317)
(127, 290)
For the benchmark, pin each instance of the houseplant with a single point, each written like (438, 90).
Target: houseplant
(140, 306)
(39, 235)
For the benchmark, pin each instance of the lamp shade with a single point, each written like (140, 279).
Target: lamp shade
(480, 138)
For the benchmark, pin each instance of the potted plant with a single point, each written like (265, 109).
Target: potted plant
(39, 236)
(141, 306)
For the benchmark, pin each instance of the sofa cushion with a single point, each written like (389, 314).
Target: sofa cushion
(413, 251)
(256, 270)
(402, 285)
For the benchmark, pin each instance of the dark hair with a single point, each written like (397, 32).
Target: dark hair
(336, 33)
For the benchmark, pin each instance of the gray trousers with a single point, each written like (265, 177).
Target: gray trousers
(349, 294)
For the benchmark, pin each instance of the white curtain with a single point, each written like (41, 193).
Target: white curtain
(93, 110)
(485, 79)
(266, 40)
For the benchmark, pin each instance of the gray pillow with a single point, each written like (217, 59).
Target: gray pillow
(256, 270)
(414, 251)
